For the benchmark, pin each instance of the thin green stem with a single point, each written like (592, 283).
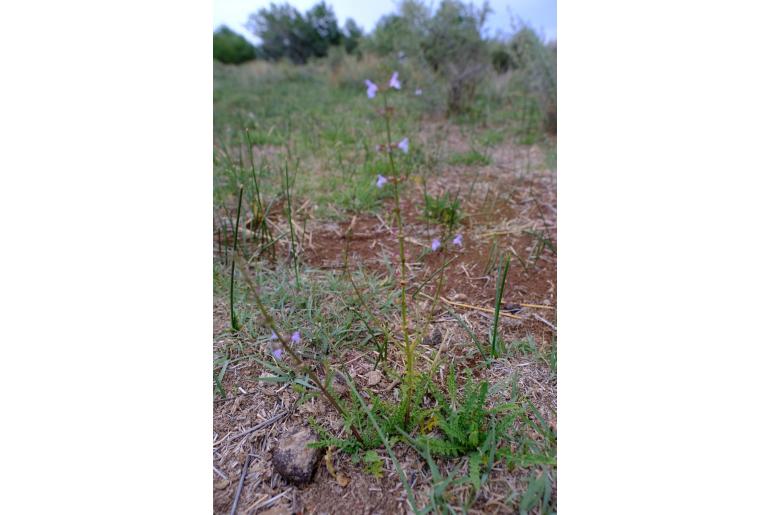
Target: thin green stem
(498, 301)
(234, 325)
(254, 175)
(291, 224)
(402, 256)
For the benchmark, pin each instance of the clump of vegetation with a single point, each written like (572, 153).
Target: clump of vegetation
(373, 463)
(444, 210)
(390, 419)
(232, 48)
(470, 158)
(465, 423)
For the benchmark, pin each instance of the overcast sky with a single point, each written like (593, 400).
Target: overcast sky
(539, 14)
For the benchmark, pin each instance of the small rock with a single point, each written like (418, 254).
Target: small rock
(221, 485)
(511, 307)
(373, 377)
(293, 459)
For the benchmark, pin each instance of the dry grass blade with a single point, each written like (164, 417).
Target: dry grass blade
(536, 306)
(240, 484)
(268, 502)
(478, 308)
(260, 425)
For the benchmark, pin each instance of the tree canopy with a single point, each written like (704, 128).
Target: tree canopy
(287, 33)
(232, 48)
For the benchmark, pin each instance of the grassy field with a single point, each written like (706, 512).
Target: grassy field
(438, 352)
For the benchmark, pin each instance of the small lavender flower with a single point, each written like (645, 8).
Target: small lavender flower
(273, 336)
(371, 88)
(435, 244)
(277, 353)
(394, 82)
(458, 240)
(418, 92)
(404, 145)
(295, 337)
(381, 181)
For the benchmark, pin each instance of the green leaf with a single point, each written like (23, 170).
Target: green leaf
(534, 492)
(474, 470)
(373, 463)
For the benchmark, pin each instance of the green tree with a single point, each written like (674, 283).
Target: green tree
(322, 29)
(232, 48)
(280, 27)
(401, 32)
(287, 33)
(352, 35)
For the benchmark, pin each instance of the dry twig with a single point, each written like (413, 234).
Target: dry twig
(240, 484)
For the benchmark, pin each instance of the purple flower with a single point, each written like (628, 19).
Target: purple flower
(435, 244)
(371, 88)
(458, 240)
(277, 353)
(295, 337)
(394, 82)
(404, 145)
(273, 336)
(418, 92)
(381, 181)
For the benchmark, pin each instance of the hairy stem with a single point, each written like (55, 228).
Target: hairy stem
(402, 256)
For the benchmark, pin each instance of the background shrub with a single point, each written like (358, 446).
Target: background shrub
(535, 65)
(232, 48)
(501, 60)
(456, 51)
(401, 34)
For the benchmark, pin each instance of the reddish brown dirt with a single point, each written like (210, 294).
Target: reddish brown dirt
(372, 243)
